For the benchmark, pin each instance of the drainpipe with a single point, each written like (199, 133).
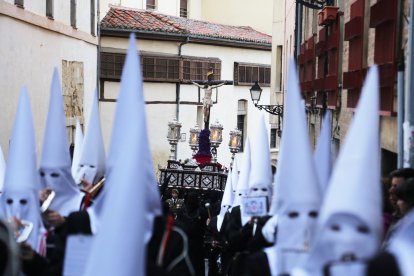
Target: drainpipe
(177, 90)
(298, 30)
(177, 85)
(400, 110)
(409, 96)
(98, 58)
(400, 87)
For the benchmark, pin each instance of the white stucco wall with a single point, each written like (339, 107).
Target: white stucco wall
(289, 34)
(61, 11)
(29, 60)
(159, 115)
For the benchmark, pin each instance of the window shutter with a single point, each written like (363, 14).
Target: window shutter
(161, 68)
(151, 5)
(73, 13)
(49, 8)
(247, 74)
(183, 8)
(93, 26)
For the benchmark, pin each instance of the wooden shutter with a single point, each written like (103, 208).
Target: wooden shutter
(247, 74)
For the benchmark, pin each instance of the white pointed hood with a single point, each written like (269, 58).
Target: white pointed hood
(131, 182)
(243, 183)
(22, 180)
(295, 151)
(260, 179)
(228, 196)
(322, 155)
(55, 166)
(92, 160)
(55, 152)
(2, 169)
(121, 224)
(355, 184)
(130, 117)
(353, 198)
(299, 196)
(402, 244)
(77, 151)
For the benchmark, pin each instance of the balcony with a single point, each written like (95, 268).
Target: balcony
(387, 74)
(327, 15)
(383, 11)
(320, 48)
(354, 28)
(319, 84)
(333, 41)
(331, 83)
(307, 86)
(353, 79)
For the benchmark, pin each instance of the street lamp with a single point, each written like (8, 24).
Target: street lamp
(193, 141)
(173, 136)
(234, 143)
(255, 93)
(216, 138)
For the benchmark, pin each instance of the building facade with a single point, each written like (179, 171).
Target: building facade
(175, 51)
(67, 35)
(335, 47)
(36, 37)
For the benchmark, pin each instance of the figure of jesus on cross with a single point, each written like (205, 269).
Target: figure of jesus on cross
(208, 91)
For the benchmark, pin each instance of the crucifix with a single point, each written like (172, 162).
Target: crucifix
(208, 87)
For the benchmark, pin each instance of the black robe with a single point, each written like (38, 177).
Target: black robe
(52, 264)
(173, 249)
(252, 265)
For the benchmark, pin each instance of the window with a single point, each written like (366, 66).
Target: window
(151, 5)
(241, 121)
(73, 13)
(247, 74)
(240, 125)
(273, 138)
(162, 68)
(49, 8)
(111, 65)
(19, 3)
(93, 17)
(197, 68)
(183, 8)
(279, 58)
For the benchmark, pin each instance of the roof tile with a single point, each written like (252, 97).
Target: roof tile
(132, 19)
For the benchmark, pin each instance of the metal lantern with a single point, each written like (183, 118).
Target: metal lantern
(193, 141)
(235, 140)
(173, 136)
(216, 137)
(256, 92)
(216, 131)
(234, 143)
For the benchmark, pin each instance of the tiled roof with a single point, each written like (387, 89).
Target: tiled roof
(126, 19)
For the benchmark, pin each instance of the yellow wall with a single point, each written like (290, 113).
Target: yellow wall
(256, 14)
